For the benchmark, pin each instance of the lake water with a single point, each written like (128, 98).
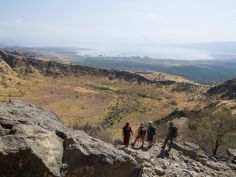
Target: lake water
(155, 52)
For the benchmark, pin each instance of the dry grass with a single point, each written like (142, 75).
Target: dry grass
(11, 85)
(98, 101)
(76, 98)
(95, 131)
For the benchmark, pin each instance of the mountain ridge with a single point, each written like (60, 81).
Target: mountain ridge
(226, 90)
(55, 68)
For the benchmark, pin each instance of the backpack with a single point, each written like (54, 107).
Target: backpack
(152, 130)
(174, 132)
(142, 131)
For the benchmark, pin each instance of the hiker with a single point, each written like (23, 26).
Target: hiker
(141, 134)
(127, 131)
(171, 134)
(151, 131)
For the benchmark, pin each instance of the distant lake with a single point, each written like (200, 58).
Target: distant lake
(157, 52)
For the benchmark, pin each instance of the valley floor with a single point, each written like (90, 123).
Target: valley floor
(100, 101)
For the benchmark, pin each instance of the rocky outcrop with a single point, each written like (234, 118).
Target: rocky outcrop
(165, 82)
(227, 90)
(33, 142)
(232, 153)
(185, 87)
(190, 149)
(176, 115)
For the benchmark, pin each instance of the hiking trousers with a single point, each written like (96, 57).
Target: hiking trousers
(166, 141)
(126, 139)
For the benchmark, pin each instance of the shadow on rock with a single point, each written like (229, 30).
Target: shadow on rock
(163, 154)
(141, 148)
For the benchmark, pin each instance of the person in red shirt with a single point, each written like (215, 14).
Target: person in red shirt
(141, 134)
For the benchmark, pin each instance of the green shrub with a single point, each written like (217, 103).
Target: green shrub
(214, 130)
(193, 125)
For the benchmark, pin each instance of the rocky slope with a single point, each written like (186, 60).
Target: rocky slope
(24, 65)
(33, 142)
(184, 160)
(227, 90)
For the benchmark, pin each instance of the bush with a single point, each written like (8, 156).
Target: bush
(193, 125)
(99, 87)
(142, 94)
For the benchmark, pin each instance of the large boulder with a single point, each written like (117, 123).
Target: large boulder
(33, 142)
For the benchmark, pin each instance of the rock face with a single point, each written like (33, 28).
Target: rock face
(190, 149)
(185, 87)
(33, 142)
(226, 90)
(232, 153)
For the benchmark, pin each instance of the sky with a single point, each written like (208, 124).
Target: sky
(94, 23)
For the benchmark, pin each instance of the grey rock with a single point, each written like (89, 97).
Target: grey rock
(232, 166)
(232, 153)
(201, 160)
(146, 164)
(189, 149)
(186, 173)
(159, 171)
(217, 166)
(139, 155)
(196, 169)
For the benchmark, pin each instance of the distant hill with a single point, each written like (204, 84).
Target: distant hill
(210, 71)
(26, 64)
(201, 71)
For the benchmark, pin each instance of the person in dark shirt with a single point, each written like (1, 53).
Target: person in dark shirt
(127, 132)
(171, 134)
(151, 131)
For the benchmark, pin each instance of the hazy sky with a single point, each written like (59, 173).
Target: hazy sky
(86, 23)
